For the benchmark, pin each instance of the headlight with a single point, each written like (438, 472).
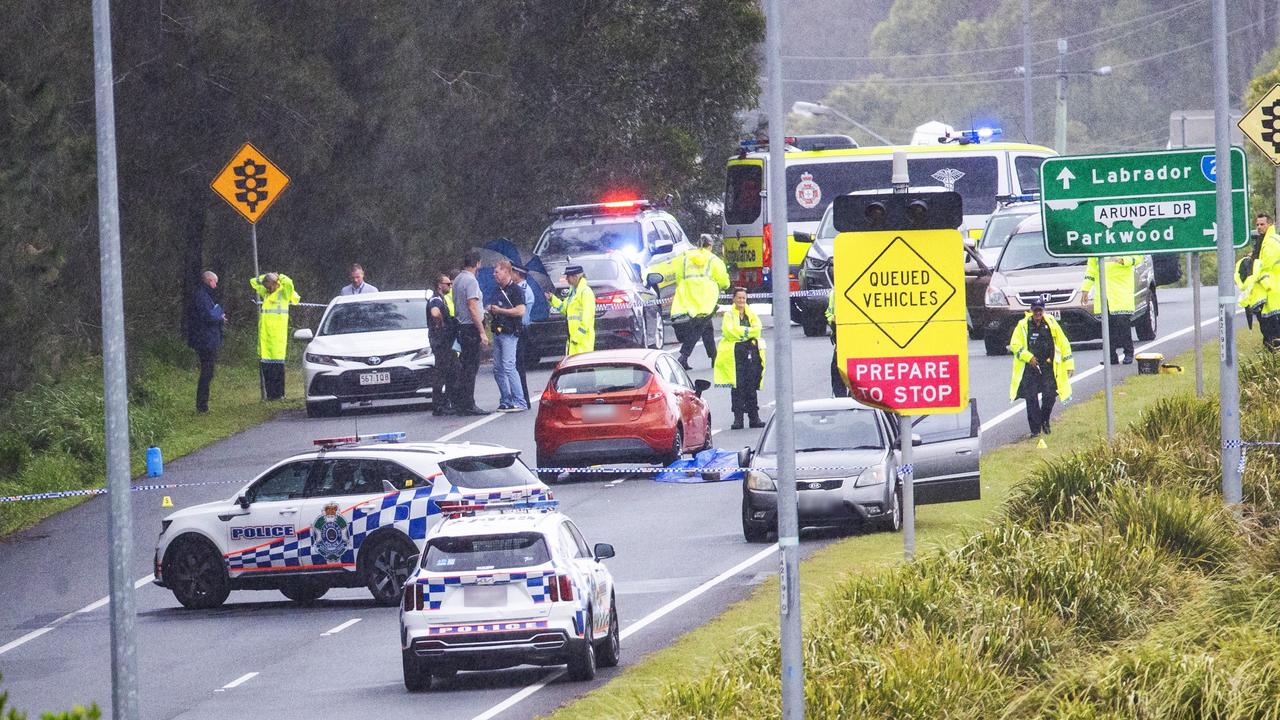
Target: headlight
(422, 354)
(996, 296)
(757, 480)
(870, 476)
(320, 359)
(813, 264)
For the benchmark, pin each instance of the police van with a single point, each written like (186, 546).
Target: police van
(980, 171)
(346, 515)
(508, 584)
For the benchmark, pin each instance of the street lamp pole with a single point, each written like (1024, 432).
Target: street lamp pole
(1060, 126)
(801, 107)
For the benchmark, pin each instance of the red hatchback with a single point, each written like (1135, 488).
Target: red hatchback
(617, 406)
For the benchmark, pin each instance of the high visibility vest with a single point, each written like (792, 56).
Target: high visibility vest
(579, 310)
(273, 318)
(732, 332)
(1120, 284)
(448, 301)
(1063, 362)
(699, 277)
(1266, 270)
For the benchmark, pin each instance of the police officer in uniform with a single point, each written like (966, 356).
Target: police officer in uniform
(1120, 289)
(275, 292)
(522, 346)
(1042, 365)
(699, 277)
(579, 310)
(838, 388)
(442, 332)
(740, 359)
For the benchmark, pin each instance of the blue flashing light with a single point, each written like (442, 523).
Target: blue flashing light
(388, 437)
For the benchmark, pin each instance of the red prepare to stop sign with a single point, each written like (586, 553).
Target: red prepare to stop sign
(906, 383)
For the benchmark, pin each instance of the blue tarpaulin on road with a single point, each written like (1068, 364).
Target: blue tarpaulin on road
(710, 465)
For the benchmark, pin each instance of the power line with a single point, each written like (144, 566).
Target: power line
(1149, 17)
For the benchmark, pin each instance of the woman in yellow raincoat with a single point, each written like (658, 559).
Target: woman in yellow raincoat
(740, 359)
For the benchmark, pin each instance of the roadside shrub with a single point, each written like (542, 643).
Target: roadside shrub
(1060, 490)
(1200, 532)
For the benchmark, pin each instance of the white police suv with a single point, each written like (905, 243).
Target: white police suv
(346, 515)
(507, 584)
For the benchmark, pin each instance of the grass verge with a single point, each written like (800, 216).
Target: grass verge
(727, 667)
(51, 437)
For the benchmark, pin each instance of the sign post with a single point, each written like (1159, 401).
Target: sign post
(901, 334)
(250, 183)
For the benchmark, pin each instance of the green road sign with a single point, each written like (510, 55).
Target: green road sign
(1138, 203)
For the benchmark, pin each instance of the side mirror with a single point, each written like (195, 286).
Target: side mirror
(916, 440)
(303, 334)
(603, 551)
(744, 457)
(802, 237)
(653, 279)
(700, 386)
(243, 502)
(663, 248)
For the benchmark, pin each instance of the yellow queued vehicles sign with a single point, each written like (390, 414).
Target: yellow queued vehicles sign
(899, 301)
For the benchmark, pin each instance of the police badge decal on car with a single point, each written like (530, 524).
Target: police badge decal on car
(330, 534)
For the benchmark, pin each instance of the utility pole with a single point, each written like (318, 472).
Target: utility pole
(1228, 377)
(124, 660)
(1060, 127)
(1027, 127)
(788, 519)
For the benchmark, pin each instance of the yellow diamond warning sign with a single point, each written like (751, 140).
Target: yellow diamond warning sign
(250, 183)
(901, 335)
(1262, 125)
(900, 292)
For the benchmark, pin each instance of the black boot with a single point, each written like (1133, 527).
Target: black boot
(1044, 427)
(756, 422)
(737, 422)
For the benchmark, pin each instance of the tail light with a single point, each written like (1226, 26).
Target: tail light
(766, 251)
(655, 393)
(795, 283)
(613, 297)
(561, 588)
(412, 597)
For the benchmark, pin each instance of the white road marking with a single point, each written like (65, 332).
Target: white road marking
(238, 681)
(635, 627)
(1018, 409)
(100, 602)
(713, 432)
(340, 628)
(481, 421)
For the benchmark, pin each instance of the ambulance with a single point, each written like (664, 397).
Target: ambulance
(968, 163)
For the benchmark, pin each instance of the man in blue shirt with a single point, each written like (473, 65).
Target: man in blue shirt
(522, 281)
(205, 319)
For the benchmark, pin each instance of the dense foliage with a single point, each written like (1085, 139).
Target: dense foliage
(410, 130)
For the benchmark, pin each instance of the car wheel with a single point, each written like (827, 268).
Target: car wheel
(975, 332)
(417, 675)
(706, 442)
(1146, 327)
(995, 345)
(582, 663)
(548, 477)
(385, 567)
(815, 325)
(677, 446)
(610, 650)
(196, 572)
(753, 530)
(304, 590)
(893, 520)
(659, 333)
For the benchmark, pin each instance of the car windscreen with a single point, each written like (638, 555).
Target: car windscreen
(485, 552)
(1028, 169)
(375, 316)
(742, 194)
(1000, 227)
(598, 237)
(847, 429)
(489, 471)
(600, 379)
(598, 269)
(1025, 251)
(976, 178)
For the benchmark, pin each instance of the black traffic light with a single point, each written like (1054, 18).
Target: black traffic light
(899, 211)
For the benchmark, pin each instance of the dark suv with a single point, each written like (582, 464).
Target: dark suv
(627, 315)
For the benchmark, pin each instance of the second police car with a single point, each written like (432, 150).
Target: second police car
(503, 586)
(346, 515)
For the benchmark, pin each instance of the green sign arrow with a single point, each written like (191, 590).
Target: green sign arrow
(1138, 203)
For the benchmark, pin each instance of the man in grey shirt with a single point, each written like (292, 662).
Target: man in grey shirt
(471, 333)
(358, 286)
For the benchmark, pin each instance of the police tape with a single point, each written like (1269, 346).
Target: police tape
(1244, 446)
(844, 472)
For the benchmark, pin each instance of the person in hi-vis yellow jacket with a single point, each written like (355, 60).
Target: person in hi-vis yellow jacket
(740, 359)
(1258, 280)
(1120, 301)
(579, 310)
(275, 292)
(699, 277)
(1042, 365)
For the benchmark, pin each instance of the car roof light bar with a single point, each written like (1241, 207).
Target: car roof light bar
(353, 439)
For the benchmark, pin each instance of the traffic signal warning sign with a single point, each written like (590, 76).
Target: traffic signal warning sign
(250, 183)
